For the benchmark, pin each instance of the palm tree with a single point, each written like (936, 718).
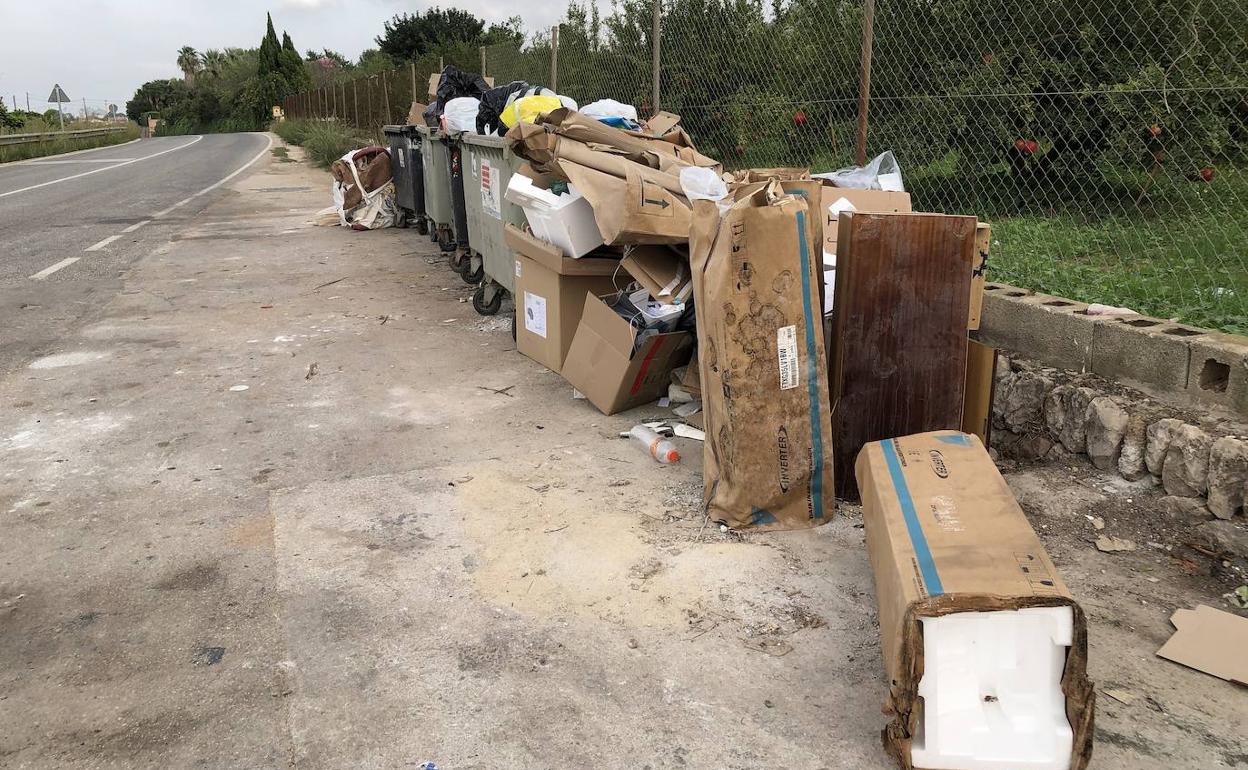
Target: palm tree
(188, 62)
(214, 62)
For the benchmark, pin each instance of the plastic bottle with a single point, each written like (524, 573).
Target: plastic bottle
(659, 447)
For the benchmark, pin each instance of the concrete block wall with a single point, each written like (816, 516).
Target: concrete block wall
(1172, 361)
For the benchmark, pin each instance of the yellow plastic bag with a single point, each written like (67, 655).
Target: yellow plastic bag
(527, 108)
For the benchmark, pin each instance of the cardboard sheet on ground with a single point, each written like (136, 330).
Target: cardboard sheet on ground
(762, 363)
(1211, 641)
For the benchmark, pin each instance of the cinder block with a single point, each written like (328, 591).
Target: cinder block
(1052, 330)
(1218, 373)
(1148, 353)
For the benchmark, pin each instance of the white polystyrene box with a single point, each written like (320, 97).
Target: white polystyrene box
(567, 221)
(992, 693)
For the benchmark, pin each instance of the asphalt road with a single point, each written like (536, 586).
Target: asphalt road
(71, 224)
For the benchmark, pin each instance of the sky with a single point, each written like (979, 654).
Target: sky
(103, 50)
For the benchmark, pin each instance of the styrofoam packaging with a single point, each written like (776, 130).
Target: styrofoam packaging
(992, 691)
(567, 221)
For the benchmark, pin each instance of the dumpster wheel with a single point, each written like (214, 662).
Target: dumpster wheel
(490, 306)
(472, 275)
(458, 261)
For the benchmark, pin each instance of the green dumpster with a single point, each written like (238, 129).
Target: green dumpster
(436, 162)
(488, 165)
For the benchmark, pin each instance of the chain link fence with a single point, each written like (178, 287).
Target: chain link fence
(1107, 142)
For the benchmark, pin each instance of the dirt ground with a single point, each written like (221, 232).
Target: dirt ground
(369, 558)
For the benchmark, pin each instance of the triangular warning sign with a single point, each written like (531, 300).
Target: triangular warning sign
(58, 95)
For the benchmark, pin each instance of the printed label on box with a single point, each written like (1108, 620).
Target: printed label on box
(491, 200)
(517, 268)
(786, 351)
(535, 314)
(402, 156)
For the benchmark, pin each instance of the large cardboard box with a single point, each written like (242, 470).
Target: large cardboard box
(550, 294)
(767, 458)
(945, 535)
(603, 366)
(872, 201)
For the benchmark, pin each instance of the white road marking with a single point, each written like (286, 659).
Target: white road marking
(102, 244)
(268, 145)
(136, 226)
(44, 273)
(81, 160)
(106, 168)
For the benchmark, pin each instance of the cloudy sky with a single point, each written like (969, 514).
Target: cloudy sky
(104, 49)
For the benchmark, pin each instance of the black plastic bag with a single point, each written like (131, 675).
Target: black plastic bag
(453, 84)
(493, 101)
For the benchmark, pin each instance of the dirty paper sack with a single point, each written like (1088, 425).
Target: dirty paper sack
(762, 363)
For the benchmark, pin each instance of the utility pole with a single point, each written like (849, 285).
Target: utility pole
(554, 58)
(864, 80)
(28, 101)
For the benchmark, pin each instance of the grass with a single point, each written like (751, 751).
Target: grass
(324, 141)
(58, 145)
(1178, 251)
(282, 155)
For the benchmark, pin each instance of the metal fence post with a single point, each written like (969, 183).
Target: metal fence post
(864, 83)
(413, 66)
(656, 40)
(554, 58)
(355, 98)
(482, 61)
(385, 94)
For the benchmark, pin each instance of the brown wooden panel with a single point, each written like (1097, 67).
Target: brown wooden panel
(899, 330)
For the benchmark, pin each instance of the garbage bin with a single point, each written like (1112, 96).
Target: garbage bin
(436, 169)
(459, 215)
(407, 168)
(489, 164)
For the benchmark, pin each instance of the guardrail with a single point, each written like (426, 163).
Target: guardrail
(86, 133)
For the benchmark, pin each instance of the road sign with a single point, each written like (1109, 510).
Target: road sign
(58, 95)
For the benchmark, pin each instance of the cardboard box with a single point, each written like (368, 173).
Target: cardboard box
(550, 294)
(601, 363)
(945, 535)
(663, 272)
(981, 381)
(767, 459)
(872, 201)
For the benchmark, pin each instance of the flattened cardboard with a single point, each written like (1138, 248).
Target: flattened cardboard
(416, 115)
(601, 363)
(631, 208)
(871, 201)
(1211, 641)
(979, 274)
(550, 294)
(663, 272)
(944, 535)
(767, 460)
(981, 380)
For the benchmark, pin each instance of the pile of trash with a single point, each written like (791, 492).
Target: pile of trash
(817, 337)
(362, 190)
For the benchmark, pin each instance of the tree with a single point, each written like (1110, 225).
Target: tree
(270, 51)
(7, 119)
(410, 37)
(372, 61)
(292, 65)
(154, 96)
(214, 63)
(188, 62)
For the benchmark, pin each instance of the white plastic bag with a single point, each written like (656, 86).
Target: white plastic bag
(461, 114)
(700, 183)
(609, 108)
(882, 173)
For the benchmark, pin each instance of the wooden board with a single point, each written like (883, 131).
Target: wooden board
(981, 379)
(899, 330)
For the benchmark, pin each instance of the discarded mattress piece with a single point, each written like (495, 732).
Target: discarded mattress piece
(767, 461)
(984, 646)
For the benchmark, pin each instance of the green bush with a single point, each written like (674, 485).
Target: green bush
(324, 141)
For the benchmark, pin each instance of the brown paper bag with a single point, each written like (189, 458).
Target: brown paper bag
(762, 364)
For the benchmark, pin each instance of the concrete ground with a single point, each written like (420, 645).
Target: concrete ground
(265, 508)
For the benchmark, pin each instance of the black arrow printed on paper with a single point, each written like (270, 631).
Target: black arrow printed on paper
(663, 204)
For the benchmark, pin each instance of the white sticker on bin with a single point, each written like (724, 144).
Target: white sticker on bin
(786, 352)
(491, 199)
(535, 314)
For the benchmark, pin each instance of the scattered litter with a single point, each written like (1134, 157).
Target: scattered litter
(632, 644)
(239, 388)
(1122, 696)
(329, 283)
(662, 428)
(659, 447)
(311, 371)
(460, 480)
(665, 402)
(685, 410)
(1211, 641)
(578, 395)
(1239, 597)
(774, 647)
(688, 431)
(499, 391)
(539, 487)
(556, 529)
(618, 483)
(1097, 522)
(1108, 544)
(1097, 308)
(678, 394)
(383, 319)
